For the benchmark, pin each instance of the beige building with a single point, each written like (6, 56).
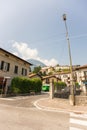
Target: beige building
(82, 77)
(34, 75)
(47, 79)
(12, 66)
(47, 70)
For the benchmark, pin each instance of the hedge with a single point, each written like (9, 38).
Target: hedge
(59, 85)
(21, 85)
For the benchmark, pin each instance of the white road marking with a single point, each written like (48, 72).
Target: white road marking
(15, 98)
(40, 107)
(6, 99)
(84, 116)
(79, 122)
(73, 128)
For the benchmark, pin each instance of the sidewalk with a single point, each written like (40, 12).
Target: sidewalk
(58, 104)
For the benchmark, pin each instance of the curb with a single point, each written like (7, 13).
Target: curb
(41, 107)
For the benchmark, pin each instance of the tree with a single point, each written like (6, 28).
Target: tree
(37, 69)
(59, 85)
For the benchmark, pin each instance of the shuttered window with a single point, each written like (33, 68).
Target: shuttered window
(24, 71)
(4, 66)
(16, 69)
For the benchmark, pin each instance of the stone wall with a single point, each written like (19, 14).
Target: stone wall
(81, 100)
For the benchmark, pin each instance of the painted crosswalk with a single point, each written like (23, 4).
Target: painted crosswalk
(78, 121)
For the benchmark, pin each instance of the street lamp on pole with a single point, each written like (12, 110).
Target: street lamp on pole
(72, 97)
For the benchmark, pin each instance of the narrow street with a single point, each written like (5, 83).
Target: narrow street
(19, 113)
(12, 118)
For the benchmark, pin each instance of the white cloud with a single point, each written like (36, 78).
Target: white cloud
(51, 62)
(23, 50)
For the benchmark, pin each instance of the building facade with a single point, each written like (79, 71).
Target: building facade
(12, 66)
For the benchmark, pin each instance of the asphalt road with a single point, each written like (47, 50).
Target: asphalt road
(22, 101)
(20, 114)
(12, 118)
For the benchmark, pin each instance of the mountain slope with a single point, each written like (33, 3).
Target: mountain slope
(35, 63)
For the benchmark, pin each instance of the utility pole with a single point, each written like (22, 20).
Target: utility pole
(72, 96)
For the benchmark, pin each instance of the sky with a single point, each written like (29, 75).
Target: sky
(35, 29)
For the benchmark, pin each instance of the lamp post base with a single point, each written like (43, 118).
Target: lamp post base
(72, 100)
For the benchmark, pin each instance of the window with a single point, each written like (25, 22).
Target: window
(16, 69)
(85, 74)
(24, 71)
(4, 66)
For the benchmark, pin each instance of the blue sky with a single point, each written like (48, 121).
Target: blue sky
(35, 29)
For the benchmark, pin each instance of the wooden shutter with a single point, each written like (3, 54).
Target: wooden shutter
(25, 71)
(2, 65)
(8, 66)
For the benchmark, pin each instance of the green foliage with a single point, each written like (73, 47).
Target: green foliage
(44, 74)
(77, 85)
(37, 69)
(57, 65)
(37, 84)
(66, 70)
(25, 85)
(59, 85)
(50, 73)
